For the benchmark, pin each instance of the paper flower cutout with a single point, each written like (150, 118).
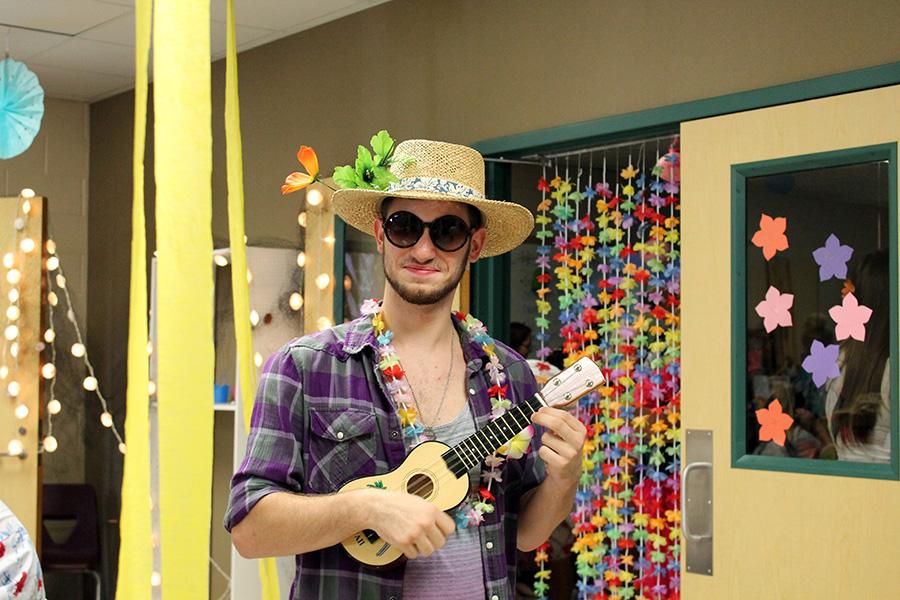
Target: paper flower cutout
(775, 309)
(832, 258)
(848, 288)
(773, 423)
(851, 318)
(771, 237)
(21, 107)
(296, 180)
(822, 362)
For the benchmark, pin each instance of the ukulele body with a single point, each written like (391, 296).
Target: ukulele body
(425, 474)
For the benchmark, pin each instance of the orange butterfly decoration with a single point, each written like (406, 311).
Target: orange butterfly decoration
(771, 237)
(296, 180)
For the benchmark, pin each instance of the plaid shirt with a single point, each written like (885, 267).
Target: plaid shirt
(322, 417)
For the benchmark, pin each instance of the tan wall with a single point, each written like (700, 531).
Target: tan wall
(56, 166)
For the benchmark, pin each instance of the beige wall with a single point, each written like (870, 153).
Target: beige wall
(463, 71)
(56, 166)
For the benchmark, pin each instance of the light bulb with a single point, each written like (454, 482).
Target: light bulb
(48, 371)
(314, 197)
(301, 219)
(78, 350)
(60, 281)
(54, 406)
(149, 348)
(254, 318)
(21, 411)
(52, 263)
(19, 224)
(301, 259)
(50, 444)
(106, 419)
(90, 383)
(220, 260)
(151, 387)
(323, 323)
(13, 313)
(14, 349)
(258, 359)
(27, 245)
(49, 336)
(249, 277)
(122, 447)
(13, 276)
(52, 298)
(328, 239)
(323, 280)
(155, 579)
(9, 260)
(4, 371)
(27, 193)
(296, 301)
(13, 295)
(11, 332)
(50, 245)
(13, 388)
(26, 206)
(15, 447)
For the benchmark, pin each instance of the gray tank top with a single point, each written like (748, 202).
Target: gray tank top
(454, 571)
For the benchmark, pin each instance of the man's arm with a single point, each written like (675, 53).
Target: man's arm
(546, 506)
(283, 523)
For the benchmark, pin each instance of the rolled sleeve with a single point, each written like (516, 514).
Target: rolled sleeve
(274, 460)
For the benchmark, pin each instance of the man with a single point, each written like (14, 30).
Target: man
(337, 405)
(20, 570)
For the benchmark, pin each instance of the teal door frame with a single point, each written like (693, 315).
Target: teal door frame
(490, 297)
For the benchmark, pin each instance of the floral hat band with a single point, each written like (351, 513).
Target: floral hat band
(434, 185)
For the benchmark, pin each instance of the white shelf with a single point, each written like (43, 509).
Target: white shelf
(230, 407)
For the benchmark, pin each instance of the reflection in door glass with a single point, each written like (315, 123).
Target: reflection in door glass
(818, 314)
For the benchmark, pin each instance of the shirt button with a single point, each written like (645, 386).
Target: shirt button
(489, 545)
(395, 434)
(472, 391)
(495, 597)
(340, 435)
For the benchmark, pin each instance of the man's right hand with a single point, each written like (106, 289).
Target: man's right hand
(412, 525)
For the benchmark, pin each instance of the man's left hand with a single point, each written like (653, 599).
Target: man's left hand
(561, 443)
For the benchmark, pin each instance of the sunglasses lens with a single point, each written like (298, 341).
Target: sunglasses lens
(449, 233)
(403, 229)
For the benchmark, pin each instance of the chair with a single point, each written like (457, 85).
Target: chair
(80, 551)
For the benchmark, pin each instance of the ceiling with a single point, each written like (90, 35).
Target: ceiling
(84, 49)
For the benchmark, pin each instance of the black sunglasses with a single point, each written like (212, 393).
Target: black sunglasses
(449, 233)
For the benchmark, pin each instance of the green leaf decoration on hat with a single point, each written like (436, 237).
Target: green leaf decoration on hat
(371, 171)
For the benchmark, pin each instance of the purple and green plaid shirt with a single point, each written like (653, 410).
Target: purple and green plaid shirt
(322, 417)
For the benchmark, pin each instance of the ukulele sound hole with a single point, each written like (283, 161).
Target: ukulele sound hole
(420, 485)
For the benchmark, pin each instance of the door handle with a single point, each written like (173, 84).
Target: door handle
(684, 513)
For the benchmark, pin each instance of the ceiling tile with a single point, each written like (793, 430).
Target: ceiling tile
(116, 31)
(23, 44)
(243, 36)
(71, 84)
(279, 14)
(97, 57)
(60, 16)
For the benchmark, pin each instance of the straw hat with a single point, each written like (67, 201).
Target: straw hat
(440, 171)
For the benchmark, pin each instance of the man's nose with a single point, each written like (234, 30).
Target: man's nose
(424, 249)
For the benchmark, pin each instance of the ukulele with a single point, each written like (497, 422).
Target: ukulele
(439, 474)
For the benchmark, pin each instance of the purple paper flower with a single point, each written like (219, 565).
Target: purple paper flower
(822, 362)
(832, 258)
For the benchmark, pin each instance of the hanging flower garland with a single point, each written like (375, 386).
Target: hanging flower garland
(471, 512)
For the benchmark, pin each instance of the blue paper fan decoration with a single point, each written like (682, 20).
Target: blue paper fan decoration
(21, 107)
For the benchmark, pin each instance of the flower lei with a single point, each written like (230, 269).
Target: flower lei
(471, 512)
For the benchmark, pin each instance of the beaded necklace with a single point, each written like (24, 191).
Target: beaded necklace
(471, 512)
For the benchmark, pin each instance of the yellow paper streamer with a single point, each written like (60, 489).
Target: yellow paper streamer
(136, 550)
(268, 575)
(185, 301)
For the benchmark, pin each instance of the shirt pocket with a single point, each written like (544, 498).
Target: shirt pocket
(341, 447)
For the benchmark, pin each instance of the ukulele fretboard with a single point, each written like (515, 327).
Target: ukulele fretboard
(484, 442)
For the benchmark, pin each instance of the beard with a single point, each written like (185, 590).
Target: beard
(423, 297)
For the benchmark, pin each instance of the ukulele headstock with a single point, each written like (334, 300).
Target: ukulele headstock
(580, 378)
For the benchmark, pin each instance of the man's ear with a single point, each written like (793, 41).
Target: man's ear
(478, 238)
(378, 228)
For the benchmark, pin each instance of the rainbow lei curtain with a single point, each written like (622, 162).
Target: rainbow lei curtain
(610, 261)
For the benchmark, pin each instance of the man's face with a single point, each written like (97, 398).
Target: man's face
(423, 273)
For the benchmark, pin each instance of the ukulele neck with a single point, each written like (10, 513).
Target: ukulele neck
(484, 442)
